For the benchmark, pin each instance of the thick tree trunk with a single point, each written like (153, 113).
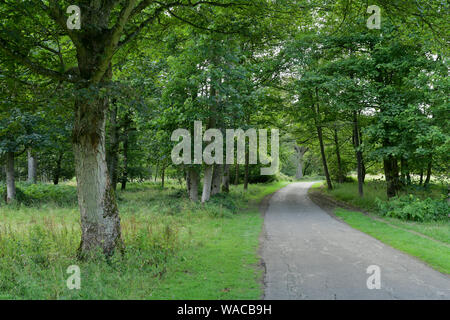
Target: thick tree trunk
(112, 156)
(57, 170)
(300, 153)
(226, 179)
(100, 222)
(207, 181)
(216, 179)
(299, 172)
(359, 159)
(193, 183)
(421, 177)
(429, 167)
(236, 174)
(10, 179)
(391, 173)
(32, 166)
(340, 174)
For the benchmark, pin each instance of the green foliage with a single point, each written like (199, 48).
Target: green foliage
(21, 197)
(40, 193)
(414, 208)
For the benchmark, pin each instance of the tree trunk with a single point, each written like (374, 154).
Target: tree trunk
(10, 179)
(391, 173)
(216, 179)
(57, 171)
(226, 179)
(112, 155)
(125, 156)
(163, 173)
(193, 183)
(324, 158)
(188, 182)
(338, 156)
(363, 166)
(405, 174)
(32, 165)
(299, 172)
(320, 137)
(246, 171)
(100, 222)
(358, 152)
(236, 174)
(207, 180)
(156, 172)
(428, 178)
(212, 121)
(402, 171)
(300, 153)
(307, 165)
(421, 176)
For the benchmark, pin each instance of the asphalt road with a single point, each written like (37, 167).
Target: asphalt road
(310, 255)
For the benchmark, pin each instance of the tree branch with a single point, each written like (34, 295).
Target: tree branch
(33, 65)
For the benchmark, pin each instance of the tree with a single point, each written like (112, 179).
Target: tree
(107, 26)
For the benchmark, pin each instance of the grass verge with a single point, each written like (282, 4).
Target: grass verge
(175, 249)
(428, 241)
(434, 254)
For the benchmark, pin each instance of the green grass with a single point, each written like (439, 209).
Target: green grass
(175, 249)
(439, 230)
(407, 236)
(348, 193)
(435, 254)
(373, 189)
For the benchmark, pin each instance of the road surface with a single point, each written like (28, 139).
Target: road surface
(308, 254)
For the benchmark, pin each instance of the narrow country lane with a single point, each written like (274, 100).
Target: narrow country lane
(310, 255)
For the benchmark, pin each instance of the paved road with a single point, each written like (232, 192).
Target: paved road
(310, 255)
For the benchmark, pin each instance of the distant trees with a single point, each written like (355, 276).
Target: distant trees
(382, 89)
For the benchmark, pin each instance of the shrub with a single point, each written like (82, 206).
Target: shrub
(414, 208)
(29, 194)
(21, 196)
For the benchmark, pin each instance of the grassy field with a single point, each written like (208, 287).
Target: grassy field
(426, 240)
(175, 249)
